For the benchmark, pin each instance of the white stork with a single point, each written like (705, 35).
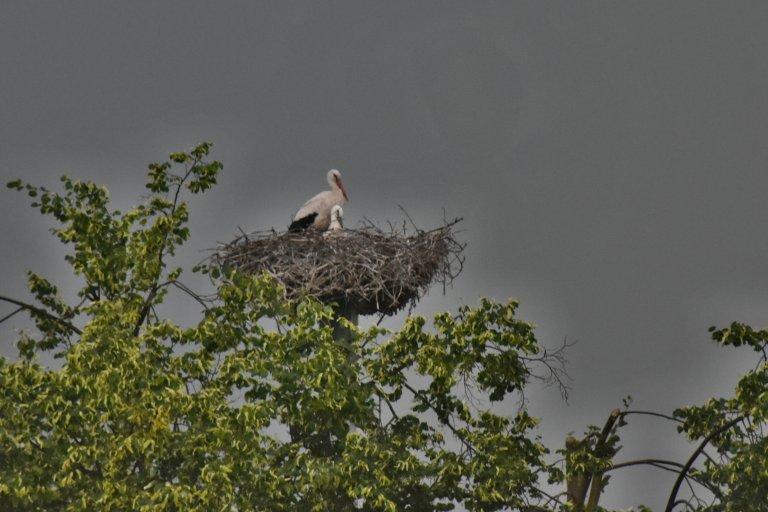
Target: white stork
(316, 213)
(336, 214)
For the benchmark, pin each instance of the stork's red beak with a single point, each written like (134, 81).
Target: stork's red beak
(344, 192)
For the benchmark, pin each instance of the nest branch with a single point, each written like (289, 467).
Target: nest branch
(368, 269)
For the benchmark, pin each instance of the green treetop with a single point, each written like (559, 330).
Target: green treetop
(258, 407)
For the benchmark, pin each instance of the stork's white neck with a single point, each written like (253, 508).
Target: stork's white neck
(331, 177)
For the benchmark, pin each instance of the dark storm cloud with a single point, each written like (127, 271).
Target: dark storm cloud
(609, 158)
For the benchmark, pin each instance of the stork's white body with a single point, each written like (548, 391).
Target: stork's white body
(316, 213)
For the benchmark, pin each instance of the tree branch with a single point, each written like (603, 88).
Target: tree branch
(39, 312)
(597, 479)
(11, 314)
(145, 310)
(659, 463)
(684, 472)
(199, 298)
(666, 465)
(651, 413)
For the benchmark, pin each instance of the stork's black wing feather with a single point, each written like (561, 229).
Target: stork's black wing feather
(302, 223)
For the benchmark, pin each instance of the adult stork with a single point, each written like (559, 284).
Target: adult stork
(316, 213)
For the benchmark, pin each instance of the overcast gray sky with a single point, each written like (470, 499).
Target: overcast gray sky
(609, 159)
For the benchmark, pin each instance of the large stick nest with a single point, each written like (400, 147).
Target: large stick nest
(367, 269)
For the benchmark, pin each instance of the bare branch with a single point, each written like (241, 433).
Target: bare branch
(11, 314)
(651, 413)
(659, 463)
(671, 503)
(197, 297)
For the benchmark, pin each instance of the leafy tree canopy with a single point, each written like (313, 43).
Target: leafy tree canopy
(258, 406)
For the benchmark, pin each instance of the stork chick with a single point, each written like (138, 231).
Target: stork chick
(336, 225)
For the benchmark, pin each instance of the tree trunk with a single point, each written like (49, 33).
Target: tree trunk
(322, 443)
(577, 483)
(349, 312)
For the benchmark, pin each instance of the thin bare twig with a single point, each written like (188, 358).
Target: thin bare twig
(11, 314)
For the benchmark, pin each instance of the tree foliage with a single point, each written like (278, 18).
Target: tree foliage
(257, 406)
(734, 430)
